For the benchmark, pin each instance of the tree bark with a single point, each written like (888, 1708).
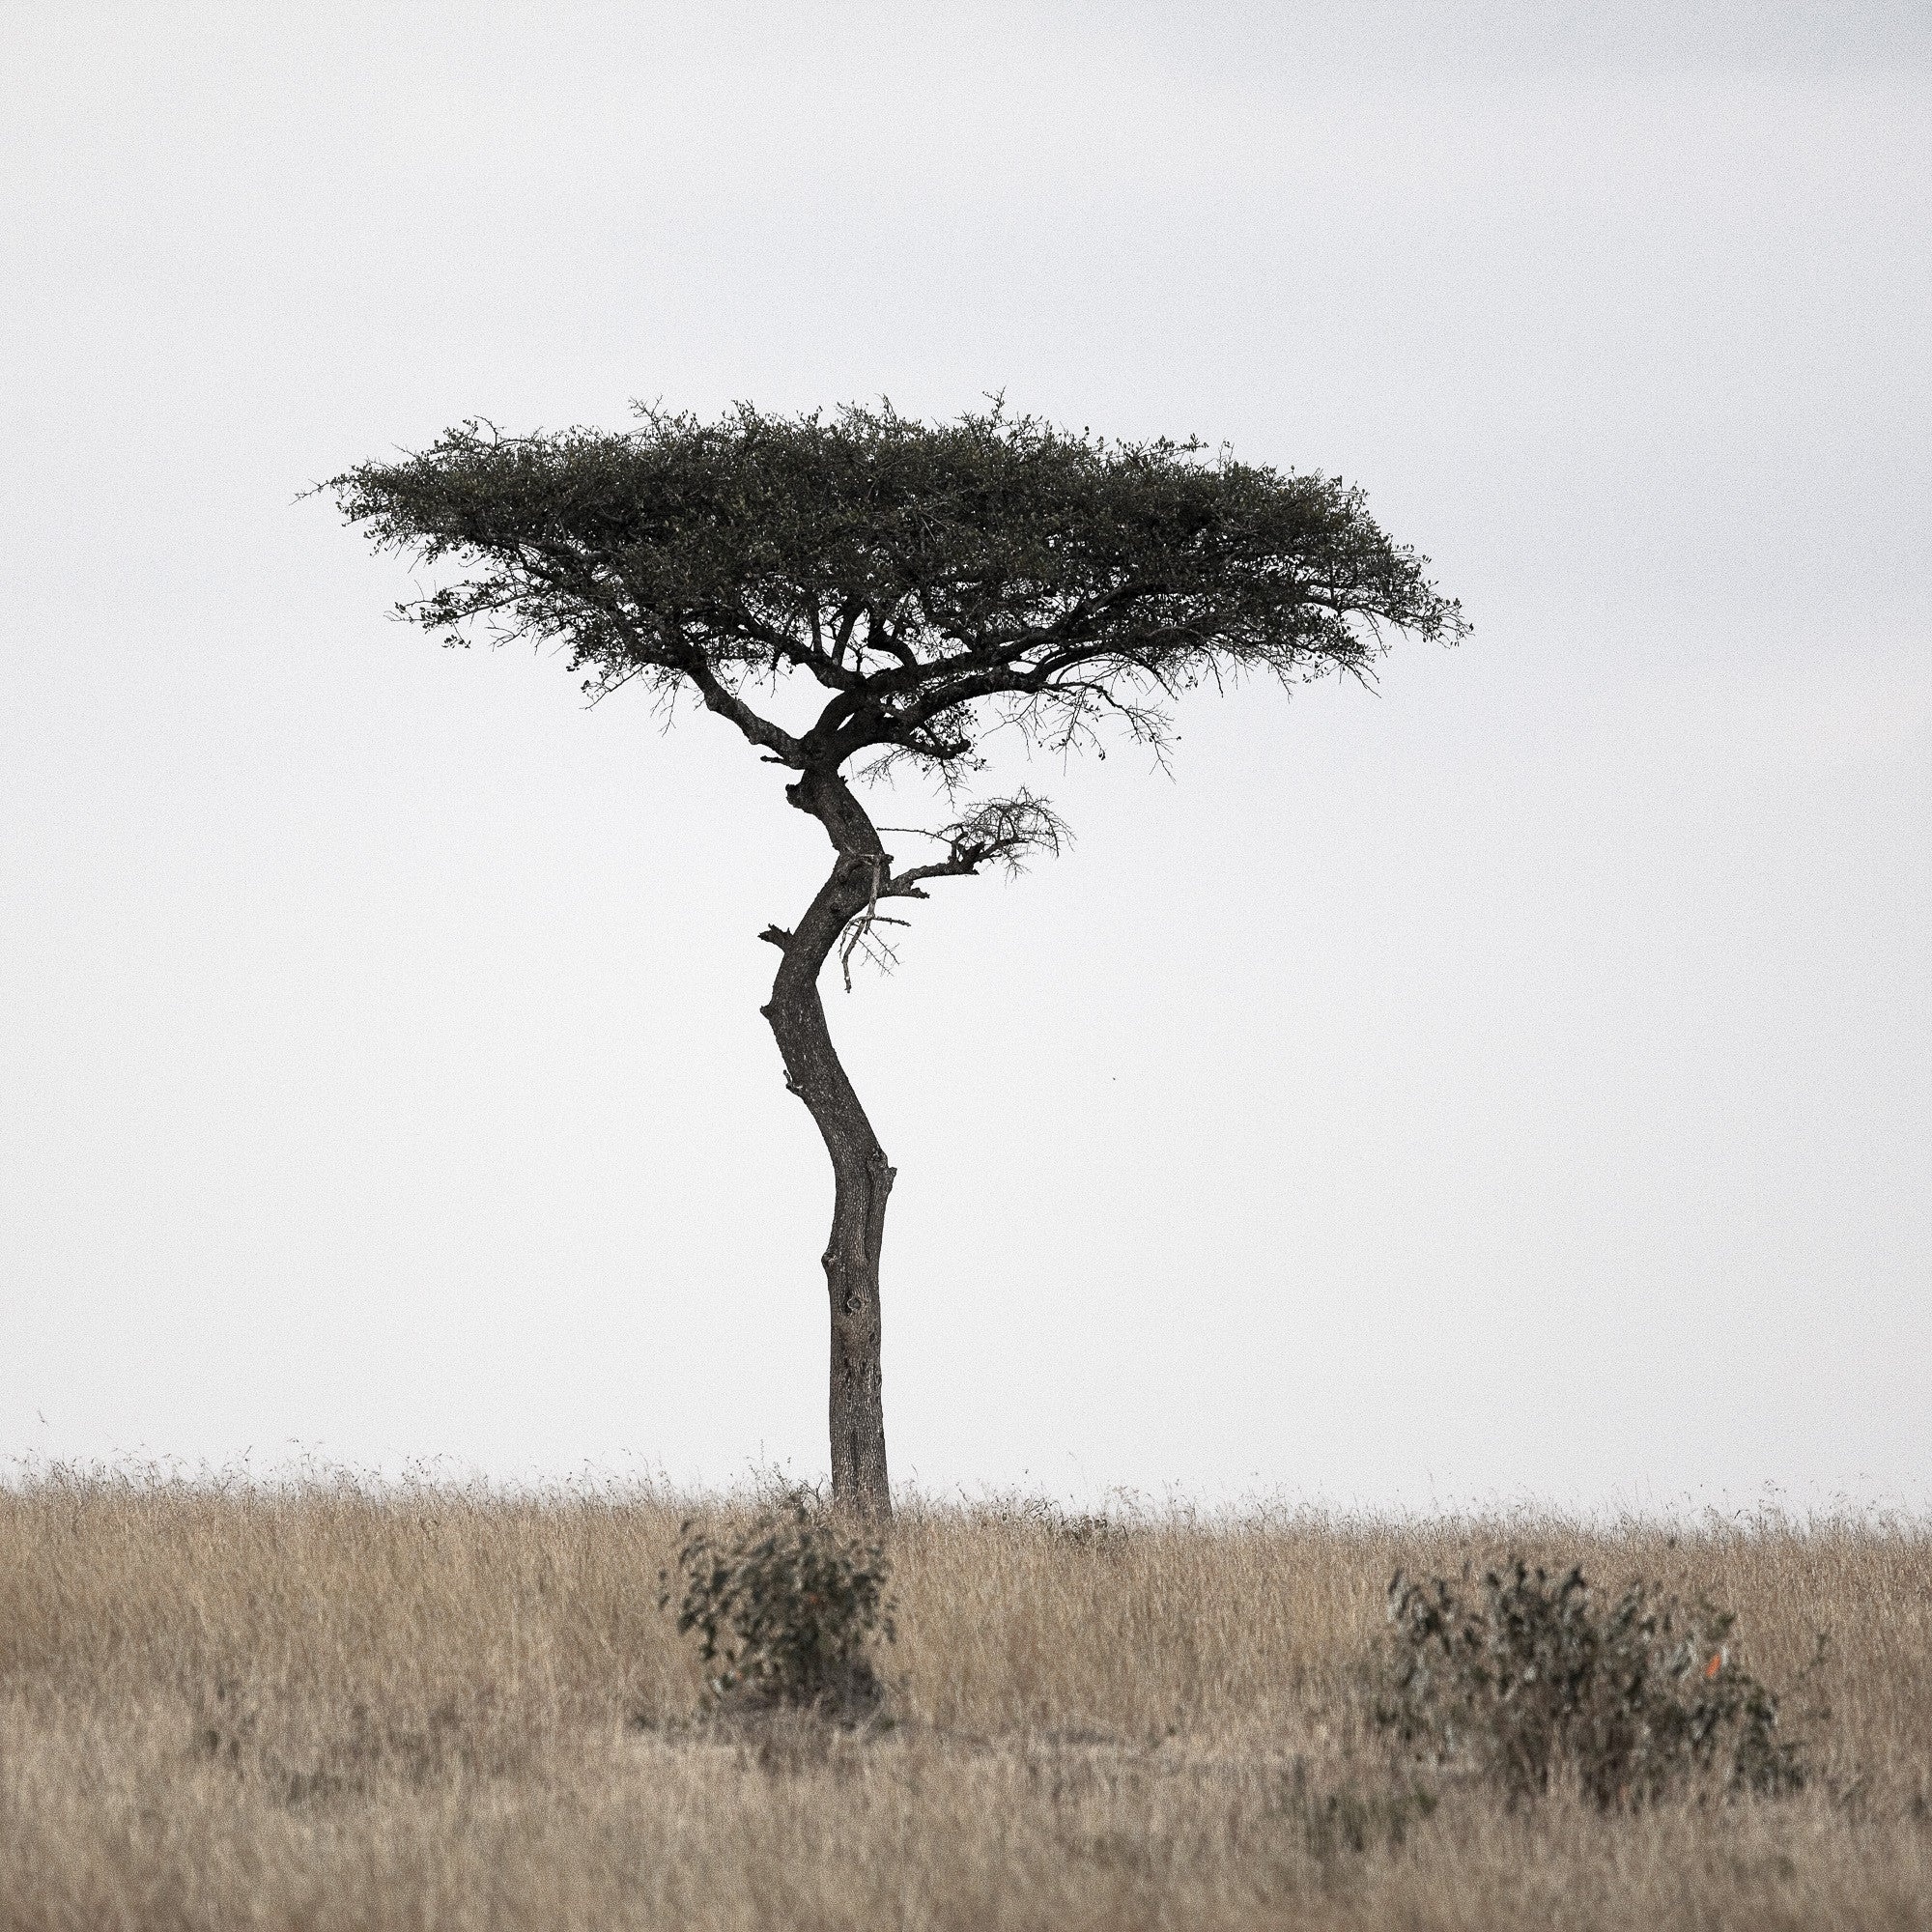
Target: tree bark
(862, 1176)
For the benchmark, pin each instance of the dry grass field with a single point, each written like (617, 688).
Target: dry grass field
(330, 1708)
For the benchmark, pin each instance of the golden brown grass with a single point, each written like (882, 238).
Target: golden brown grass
(326, 1708)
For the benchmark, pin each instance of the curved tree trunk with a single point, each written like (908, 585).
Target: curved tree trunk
(862, 1176)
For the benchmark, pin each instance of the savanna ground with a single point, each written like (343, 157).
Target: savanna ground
(330, 1707)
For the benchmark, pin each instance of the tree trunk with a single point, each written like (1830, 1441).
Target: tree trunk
(862, 1176)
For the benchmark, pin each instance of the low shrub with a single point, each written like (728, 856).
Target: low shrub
(1532, 1678)
(788, 1611)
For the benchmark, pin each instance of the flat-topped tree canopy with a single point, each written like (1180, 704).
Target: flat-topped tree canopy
(933, 580)
(933, 583)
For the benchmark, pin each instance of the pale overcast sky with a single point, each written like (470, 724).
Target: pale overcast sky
(1514, 1085)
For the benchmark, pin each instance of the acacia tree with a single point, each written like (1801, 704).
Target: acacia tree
(931, 583)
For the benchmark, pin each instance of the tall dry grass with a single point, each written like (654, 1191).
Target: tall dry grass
(332, 1708)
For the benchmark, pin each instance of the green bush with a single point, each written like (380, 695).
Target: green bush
(1533, 1679)
(787, 1612)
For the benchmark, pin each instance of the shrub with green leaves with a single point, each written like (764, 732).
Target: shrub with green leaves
(787, 1612)
(1531, 1679)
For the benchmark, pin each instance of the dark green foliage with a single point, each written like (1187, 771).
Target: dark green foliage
(786, 1612)
(1533, 1679)
(912, 570)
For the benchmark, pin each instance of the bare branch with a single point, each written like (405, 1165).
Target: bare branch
(861, 936)
(999, 832)
(726, 703)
